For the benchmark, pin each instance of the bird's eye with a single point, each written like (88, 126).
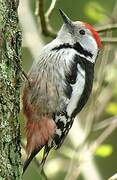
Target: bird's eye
(82, 32)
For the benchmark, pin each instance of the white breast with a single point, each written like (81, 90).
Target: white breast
(78, 88)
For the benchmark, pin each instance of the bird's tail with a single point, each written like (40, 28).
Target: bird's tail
(34, 153)
(30, 158)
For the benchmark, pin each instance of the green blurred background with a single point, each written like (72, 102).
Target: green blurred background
(97, 13)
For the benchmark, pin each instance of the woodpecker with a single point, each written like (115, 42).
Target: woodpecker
(61, 81)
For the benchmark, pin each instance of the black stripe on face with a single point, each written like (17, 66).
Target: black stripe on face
(81, 50)
(76, 47)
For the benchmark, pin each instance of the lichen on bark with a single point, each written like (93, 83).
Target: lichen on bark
(10, 80)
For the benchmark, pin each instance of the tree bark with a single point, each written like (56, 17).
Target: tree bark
(10, 80)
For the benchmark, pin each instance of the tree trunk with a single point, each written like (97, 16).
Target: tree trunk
(10, 79)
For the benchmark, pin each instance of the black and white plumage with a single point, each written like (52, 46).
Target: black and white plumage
(61, 83)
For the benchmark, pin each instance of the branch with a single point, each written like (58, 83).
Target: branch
(108, 40)
(33, 43)
(50, 10)
(45, 27)
(105, 123)
(107, 28)
(114, 177)
(103, 136)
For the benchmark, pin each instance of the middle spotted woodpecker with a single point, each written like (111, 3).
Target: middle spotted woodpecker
(61, 81)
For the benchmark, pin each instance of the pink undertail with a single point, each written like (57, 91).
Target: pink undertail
(38, 133)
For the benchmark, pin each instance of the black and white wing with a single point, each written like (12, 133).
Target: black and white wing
(78, 78)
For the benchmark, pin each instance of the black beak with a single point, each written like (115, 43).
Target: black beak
(65, 17)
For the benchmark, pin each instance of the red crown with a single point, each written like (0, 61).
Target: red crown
(95, 34)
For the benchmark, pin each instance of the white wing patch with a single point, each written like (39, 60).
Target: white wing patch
(78, 88)
(61, 118)
(58, 131)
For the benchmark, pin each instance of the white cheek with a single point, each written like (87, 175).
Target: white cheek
(90, 44)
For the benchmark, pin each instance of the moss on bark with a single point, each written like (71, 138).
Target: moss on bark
(10, 79)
